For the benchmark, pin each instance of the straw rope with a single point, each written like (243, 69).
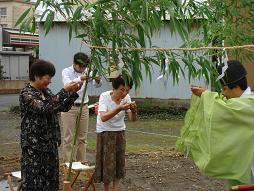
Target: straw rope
(249, 47)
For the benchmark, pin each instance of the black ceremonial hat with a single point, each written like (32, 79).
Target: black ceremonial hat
(234, 72)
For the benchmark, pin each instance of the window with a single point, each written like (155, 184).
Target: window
(3, 12)
(3, 25)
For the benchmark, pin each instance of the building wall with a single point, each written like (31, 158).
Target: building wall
(56, 48)
(8, 20)
(12, 86)
(14, 9)
(15, 67)
(18, 9)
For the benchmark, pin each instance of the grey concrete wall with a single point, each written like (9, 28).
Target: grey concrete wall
(56, 48)
(15, 66)
(11, 86)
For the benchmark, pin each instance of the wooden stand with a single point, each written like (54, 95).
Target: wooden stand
(67, 186)
(77, 168)
(16, 175)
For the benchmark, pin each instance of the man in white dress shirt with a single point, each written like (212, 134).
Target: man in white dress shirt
(77, 73)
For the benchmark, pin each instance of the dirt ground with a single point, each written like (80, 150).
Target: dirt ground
(155, 171)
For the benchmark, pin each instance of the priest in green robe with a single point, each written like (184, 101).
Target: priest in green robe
(219, 129)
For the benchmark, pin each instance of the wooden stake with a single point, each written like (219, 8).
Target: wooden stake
(67, 186)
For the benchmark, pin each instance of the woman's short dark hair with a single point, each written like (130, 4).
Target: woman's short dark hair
(81, 59)
(118, 81)
(41, 68)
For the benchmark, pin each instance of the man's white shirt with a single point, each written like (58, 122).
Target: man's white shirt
(70, 75)
(247, 92)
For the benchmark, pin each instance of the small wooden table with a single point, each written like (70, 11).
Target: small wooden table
(16, 175)
(77, 168)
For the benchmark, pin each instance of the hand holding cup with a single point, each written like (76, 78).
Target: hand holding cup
(197, 90)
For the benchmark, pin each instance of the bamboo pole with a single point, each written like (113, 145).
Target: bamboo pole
(77, 124)
(242, 187)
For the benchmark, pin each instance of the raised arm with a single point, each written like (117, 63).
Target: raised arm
(197, 90)
(65, 104)
(106, 115)
(52, 103)
(31, 102)
(67, 78)
(103, 109)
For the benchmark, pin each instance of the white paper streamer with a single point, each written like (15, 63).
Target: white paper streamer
(166, 69)
(225, 60)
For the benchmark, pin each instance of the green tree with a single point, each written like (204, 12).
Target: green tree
(121, 25)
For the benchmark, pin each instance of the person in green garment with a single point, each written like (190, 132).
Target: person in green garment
(218, 132)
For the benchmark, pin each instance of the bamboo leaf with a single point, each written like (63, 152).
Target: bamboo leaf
(49, 21)
(147, 67)
(43, 14)
(77, 14)
(70, 32)
(22, 17)
(33, 27)
(141, 36)
(82, 36)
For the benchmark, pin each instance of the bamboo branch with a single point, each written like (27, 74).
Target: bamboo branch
(77, 124)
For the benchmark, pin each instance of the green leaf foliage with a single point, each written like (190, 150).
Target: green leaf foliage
(125, 24)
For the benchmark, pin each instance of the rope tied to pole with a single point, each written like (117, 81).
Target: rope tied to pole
(249, 47)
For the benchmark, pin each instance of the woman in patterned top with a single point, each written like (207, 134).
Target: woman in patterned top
(40, 131)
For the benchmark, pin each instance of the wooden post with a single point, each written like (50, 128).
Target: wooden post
(9, 180)
(90, 181)
(67, 186)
